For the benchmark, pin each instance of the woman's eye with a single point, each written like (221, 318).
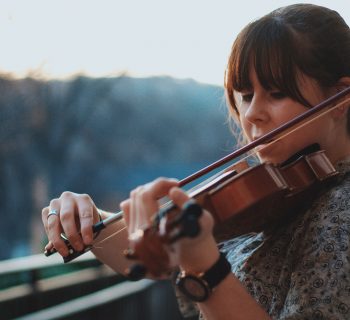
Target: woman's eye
(247, 97)
(278, 95)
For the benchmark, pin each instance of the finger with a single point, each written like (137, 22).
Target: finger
(144, 202)
(44, 214)
(149, 196)
(160, 187)
(146, 207)
(69, 223)
(55, 229)
(125, 207)
(87, 211)
(178, 196)
(49, 246)
(133, 213)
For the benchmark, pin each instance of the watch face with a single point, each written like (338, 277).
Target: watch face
(194, 288)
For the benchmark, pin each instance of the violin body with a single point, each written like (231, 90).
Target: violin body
(241, 201)
(266, 194)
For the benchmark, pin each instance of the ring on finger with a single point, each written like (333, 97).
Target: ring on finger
(53, 212)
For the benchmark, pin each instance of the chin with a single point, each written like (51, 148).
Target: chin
(273, 158)
(270, 160)
(277, 153)
(269, 155)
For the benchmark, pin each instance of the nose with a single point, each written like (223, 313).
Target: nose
(257, 111)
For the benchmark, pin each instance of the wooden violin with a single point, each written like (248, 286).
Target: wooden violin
(250, 200)
(241, 199)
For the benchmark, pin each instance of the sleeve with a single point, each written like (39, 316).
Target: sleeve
(320, 281)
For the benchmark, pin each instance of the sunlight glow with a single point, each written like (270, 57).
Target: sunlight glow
(183, 38)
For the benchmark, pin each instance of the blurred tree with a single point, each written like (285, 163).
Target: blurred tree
(98, 136)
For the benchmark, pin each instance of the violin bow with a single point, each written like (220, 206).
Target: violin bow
(267, 138)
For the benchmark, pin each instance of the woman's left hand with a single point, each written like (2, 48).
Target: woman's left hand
(196, 253)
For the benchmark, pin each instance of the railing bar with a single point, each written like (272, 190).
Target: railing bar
(38, 261)
(56, 282)
(89, 301)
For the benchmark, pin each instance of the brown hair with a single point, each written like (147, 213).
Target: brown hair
(302, 37)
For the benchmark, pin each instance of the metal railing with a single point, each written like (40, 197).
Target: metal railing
(90, 301)
(51, 297)
(30, 265)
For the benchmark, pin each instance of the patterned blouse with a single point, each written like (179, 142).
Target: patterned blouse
(303, 270)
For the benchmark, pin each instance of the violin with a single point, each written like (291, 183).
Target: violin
(251, 200)
(241, 199)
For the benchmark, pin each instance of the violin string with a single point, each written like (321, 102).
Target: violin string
(249, 153)
(95, 245)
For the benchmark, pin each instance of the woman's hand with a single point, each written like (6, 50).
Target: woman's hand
(72, 214)
(143, 204)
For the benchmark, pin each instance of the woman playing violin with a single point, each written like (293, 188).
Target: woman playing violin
(280, 66)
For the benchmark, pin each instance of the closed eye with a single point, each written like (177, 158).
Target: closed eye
(248, 97)
(278, 95)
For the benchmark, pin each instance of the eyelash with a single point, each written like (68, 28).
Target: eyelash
(247, 97)
(275, 95)
(278, 95)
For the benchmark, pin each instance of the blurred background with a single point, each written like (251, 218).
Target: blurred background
(98, 97)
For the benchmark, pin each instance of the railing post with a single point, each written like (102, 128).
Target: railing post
(33, 279)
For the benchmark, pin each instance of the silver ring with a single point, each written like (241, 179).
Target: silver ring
(53, 212)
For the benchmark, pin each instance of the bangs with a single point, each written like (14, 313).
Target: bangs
(270, 47)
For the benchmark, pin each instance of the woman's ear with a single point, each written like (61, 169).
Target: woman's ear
(344, 104)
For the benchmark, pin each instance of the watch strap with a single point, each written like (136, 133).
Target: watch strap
(207, 281)
(220, 269)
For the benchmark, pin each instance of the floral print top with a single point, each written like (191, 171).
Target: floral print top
(303, 270)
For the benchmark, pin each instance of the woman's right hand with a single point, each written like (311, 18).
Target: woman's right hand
(75, 215)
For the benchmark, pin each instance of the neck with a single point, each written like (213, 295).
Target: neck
(340, 150)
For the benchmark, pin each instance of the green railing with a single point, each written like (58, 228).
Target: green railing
(37, 287)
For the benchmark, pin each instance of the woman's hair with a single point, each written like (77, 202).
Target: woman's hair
(303, 38)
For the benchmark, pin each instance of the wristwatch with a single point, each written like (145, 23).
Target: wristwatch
(198, 287)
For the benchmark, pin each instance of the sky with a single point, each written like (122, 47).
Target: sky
(179, 38)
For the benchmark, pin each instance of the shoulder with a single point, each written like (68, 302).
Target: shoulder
(326, 224)
(319, 279)
(333, 206)
(303, 269)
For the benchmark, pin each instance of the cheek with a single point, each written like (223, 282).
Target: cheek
(247, 131)
(246, 128)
